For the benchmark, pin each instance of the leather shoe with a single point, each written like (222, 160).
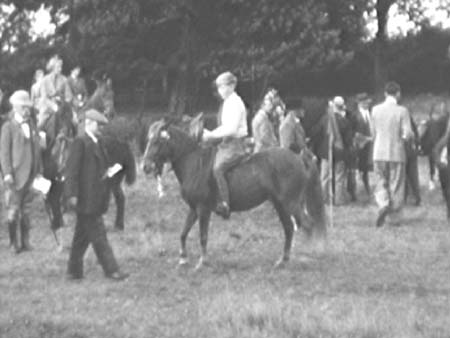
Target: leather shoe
(118, 276)
(381, 218)
(223, 210)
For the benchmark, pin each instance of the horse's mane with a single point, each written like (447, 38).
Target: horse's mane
(198, 160)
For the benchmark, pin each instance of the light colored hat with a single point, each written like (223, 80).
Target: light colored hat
(53, 62)
(226, 78)
(363, 97)
(20, 98)
(339, 102)
(94, 115)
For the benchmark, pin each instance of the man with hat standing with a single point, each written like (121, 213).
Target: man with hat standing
(88, 191)
(20, 163)
(231, 131)
(363, 138)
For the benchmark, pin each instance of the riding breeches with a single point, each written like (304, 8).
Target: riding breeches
(228, 154)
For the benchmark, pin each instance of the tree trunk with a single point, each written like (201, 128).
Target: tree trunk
(380, 71)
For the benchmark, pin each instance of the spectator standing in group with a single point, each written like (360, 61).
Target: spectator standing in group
(87, 191)
(411, 166)
(78, 87)
(262, 128)
(292, 134)
(363, 139)
(391, 128)
(20, 163)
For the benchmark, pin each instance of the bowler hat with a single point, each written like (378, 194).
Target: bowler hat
(363, 97)
(226, 78)
(20, 98)
(94, 115)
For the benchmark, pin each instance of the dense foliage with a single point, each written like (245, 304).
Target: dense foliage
(172, 49)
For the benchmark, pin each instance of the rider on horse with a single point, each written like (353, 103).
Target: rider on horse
(55, 91)
(232, 131)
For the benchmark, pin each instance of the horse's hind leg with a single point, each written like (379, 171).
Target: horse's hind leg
(119, 198)
(189, 222)
(288, 228)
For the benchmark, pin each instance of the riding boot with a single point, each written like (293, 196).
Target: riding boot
(13, 240)
(222, 208)
(25, 229)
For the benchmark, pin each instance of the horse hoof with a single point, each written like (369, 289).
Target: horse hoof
(281, 263)
(202, 262)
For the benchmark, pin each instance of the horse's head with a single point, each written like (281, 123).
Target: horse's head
(429, 132)
(168, 137)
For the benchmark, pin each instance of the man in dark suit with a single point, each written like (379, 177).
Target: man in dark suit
(411, 167)
(20, 163)
(87, 191)
(363, 138)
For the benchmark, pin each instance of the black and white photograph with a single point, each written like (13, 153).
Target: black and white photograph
(224, 168)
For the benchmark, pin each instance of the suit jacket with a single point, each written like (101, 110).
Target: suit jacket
(391, 128)
(55, 85)
(19, 156)
(263, 132)
(292, 135)
(85, 170)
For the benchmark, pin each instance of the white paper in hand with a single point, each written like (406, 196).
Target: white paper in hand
(41, 184)
(113, 170)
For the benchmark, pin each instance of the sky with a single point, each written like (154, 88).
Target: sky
(397, 24)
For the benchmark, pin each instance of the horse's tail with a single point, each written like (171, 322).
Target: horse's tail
(314, 206)
(129, 165)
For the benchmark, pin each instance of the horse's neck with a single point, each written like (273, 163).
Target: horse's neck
(186, 154)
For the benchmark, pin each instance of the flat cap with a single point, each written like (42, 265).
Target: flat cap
(226, 78)
(20, 98)
(94, 115)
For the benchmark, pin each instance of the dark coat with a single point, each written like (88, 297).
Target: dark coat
(86, 167)
(364, 150)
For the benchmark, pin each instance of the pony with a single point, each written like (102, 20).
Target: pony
(289, 181)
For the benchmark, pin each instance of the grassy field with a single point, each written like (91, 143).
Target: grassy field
(364, 282)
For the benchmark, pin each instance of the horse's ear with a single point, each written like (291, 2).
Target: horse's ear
(196, 127)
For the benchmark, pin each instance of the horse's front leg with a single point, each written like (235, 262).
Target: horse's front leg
(204, 218)
(190, 221)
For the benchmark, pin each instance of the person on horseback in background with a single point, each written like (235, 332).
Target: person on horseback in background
(263, 129)
(232, 131)
(78, 87)
(55, 93)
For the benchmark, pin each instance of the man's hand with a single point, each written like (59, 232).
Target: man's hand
(8, 179)
(206, 135)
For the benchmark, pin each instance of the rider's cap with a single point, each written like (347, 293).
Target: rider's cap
(94, 115)
(20, 98)
(226, 78)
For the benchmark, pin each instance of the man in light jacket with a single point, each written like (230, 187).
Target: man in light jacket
(391, 128)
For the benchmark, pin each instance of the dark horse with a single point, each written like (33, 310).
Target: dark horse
(289, 181)
(432, 140)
